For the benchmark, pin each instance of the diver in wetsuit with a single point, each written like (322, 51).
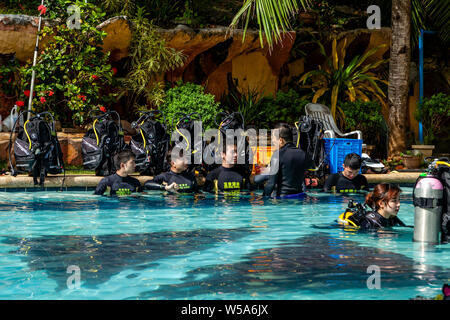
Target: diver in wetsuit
(177, 179)
(228, 176)
(121, 179)
(287, 165)
(385, 203)
(348, 180)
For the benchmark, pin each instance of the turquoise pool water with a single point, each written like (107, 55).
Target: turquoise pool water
(180, 247)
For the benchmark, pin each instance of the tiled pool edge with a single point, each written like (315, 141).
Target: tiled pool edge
(87, 182)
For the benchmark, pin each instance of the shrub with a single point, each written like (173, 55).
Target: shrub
(366, 117)
(285, 107)
(187, 98)
(434, 114)
(72, 70)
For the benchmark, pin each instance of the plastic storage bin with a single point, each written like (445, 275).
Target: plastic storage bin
(336, 149)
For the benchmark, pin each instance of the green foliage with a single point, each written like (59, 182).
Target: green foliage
(8, 76)
(272, 16)
(247, 103)
(434, 114)
(366, 117)
(149, 58)
(341, 81)
(72, 69)
(285, 107)
(187, 98)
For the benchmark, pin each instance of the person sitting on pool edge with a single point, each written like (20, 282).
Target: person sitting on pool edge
(287, 165)
(125, 165)
(384, 201)
(177, 179)
(348, 180)
(227, 177)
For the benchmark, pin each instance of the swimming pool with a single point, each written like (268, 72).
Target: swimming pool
(205, 247)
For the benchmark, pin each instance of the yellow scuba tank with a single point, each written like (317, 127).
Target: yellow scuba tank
(352, 216)
(344, 219)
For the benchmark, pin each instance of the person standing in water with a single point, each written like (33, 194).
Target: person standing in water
(385, 203)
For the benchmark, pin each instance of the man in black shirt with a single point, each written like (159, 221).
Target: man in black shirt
(177, 179)
(227, 177)
(287, 165)
(348, 180)
(121, 179)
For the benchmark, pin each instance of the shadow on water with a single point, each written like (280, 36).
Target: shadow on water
(101, 257)
(316, 263)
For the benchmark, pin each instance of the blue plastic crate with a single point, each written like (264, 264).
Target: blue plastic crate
(336, 149)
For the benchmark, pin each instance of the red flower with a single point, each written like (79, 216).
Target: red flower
(43, 100)
(20, 103)
(50, 93)
(42, 9)
(114, 70)
(94, 77)
(82, 97)
(102, 108)
(27, 93)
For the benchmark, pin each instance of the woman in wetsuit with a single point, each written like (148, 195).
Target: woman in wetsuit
(385, 203)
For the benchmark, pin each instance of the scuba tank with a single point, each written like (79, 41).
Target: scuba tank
(193, 145)
(427, 196)
(353, 215)
(150, 145)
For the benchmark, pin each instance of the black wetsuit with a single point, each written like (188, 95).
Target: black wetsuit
(225, 179)
(116, 182)
(185, 180)
(344, 184)
(374, 220)
(288, 179)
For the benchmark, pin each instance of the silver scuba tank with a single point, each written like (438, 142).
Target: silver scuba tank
(427, 195)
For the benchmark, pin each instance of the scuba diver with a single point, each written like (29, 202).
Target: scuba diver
(384, 201)
(227, 177)
(178, 179)
(120, 181)
(287, 166)
(348, 180)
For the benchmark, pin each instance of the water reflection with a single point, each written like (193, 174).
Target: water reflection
(317, 262)
(100, 257)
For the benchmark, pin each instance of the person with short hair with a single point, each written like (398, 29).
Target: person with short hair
(121, 180)
(177, 179)
(349, 180)
(287, 165)
(227, 177)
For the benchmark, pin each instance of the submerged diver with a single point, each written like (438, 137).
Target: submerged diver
(348, 180)
(227, 177)
(288, 165)
(177, 179)
(384, 201)
(121, 179)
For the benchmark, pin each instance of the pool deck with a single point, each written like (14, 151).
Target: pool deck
(89, 181)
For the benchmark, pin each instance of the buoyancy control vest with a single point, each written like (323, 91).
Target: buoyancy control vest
(102, 142)
(36, 147)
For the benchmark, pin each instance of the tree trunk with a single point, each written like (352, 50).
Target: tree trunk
(399, 74)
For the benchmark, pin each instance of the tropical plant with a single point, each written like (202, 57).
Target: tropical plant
(272, 16)
(247, 103)
(368, 118)
(284, 107)
(72, 70)
(338, 81)
(149, 58)
(188, 98)
(434, 113)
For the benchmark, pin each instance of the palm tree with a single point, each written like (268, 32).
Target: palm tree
(400, 59)
(272, 16)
